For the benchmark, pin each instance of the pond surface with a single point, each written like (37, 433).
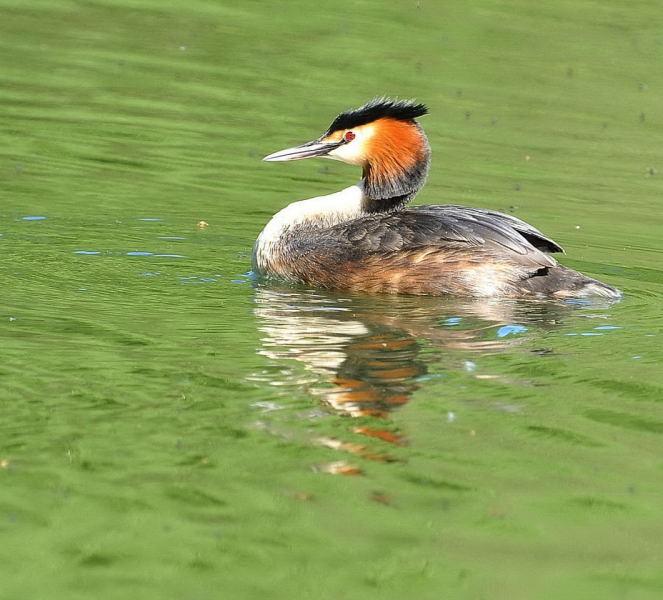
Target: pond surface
(170, 429)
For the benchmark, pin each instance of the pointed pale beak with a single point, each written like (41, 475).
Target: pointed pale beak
(308, 150)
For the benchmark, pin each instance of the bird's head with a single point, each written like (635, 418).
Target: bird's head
(383, 130)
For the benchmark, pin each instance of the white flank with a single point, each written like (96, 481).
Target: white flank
(485, 281)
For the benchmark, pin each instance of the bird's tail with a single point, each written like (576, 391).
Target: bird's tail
(562, 282)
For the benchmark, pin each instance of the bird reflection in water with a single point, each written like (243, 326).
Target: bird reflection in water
(364, 356)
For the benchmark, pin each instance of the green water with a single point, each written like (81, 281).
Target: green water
(170, 430)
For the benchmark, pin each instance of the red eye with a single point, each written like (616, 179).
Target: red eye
(349, 136)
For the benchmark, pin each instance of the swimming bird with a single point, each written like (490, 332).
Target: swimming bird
(366, 238)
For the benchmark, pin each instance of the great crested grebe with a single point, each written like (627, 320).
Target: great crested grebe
(364, 238)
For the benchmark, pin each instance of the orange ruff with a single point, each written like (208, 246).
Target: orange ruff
(395, 147)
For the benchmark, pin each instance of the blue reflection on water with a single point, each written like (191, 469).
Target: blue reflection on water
(196, 279)
(578, 301)
(510, 330)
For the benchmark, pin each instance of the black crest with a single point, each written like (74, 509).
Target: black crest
(378, 108)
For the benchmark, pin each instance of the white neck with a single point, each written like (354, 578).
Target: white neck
(319, 213)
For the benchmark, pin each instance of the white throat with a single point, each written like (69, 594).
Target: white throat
(319, 213)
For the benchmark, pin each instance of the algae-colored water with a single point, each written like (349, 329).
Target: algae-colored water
(170, 430)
